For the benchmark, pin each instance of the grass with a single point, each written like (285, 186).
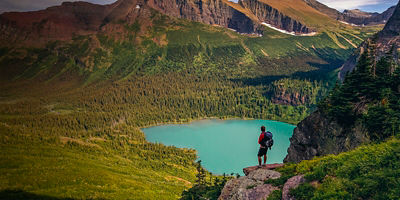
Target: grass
(370, 171)
(72, 170)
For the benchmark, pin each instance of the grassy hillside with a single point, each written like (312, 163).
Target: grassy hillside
(368, 172)
(70, 113)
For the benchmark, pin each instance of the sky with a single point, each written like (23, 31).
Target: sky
(365, 5)
(30, 5)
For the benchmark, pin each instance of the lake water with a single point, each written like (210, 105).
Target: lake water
(224, 146)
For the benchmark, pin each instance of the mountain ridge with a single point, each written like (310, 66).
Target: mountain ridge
(80, 18)
(355, 16)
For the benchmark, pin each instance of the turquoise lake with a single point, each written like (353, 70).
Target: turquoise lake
(224, 146)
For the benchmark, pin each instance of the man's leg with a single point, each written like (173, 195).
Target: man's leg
(259, 160)
(265, 159)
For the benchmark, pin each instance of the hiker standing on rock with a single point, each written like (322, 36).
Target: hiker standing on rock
(265, 141)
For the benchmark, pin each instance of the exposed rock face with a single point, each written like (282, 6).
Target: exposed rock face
(291, 183)
(316, 135)
(270, 15)
(81, 18)
(356, 16)
(208, 12)
(387, 40)
(286, 98)
(250, 187)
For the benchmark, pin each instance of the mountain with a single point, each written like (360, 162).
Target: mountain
(81, 18)
(363, 108)
(355, 17)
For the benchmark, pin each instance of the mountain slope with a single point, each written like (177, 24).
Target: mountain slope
(80, 18)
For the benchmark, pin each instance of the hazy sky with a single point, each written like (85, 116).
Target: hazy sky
(366, 5)
(29, 5)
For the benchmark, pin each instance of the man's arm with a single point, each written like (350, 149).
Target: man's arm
(260, 138)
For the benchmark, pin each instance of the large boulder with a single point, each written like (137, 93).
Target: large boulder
(293, 182)
(247, 170)
(250, 187)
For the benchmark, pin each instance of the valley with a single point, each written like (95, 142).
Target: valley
(76, 88)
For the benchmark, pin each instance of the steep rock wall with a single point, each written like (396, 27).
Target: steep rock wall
(270, 15)
(317, 136)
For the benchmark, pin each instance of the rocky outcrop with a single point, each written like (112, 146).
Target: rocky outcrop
(356, 16)
(291, 183)
(317, 135)
(270, 15)
(250, 187)
(209, 12)
(248, 170)
(253, 187)
(285, 98)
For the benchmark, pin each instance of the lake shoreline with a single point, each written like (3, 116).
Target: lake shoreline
(207, 118)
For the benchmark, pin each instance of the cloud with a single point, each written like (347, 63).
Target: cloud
(31, 5)
(353, 4)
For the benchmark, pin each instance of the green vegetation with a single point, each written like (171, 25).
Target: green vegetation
(205, 188)
(70, 113)
(368, 172)
(369, 96)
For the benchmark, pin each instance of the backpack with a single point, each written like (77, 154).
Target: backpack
(267, 140)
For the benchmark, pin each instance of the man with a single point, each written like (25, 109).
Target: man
(263, 149)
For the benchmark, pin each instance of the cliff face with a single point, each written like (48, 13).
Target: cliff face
(81, 18)
(317, 135)
(208, 12)
(270, 15)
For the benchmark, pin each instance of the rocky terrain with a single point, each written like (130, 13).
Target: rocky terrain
(317, 135)
(356, 16)
(252, 186)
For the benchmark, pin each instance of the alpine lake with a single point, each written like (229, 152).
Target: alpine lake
(224, 146)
